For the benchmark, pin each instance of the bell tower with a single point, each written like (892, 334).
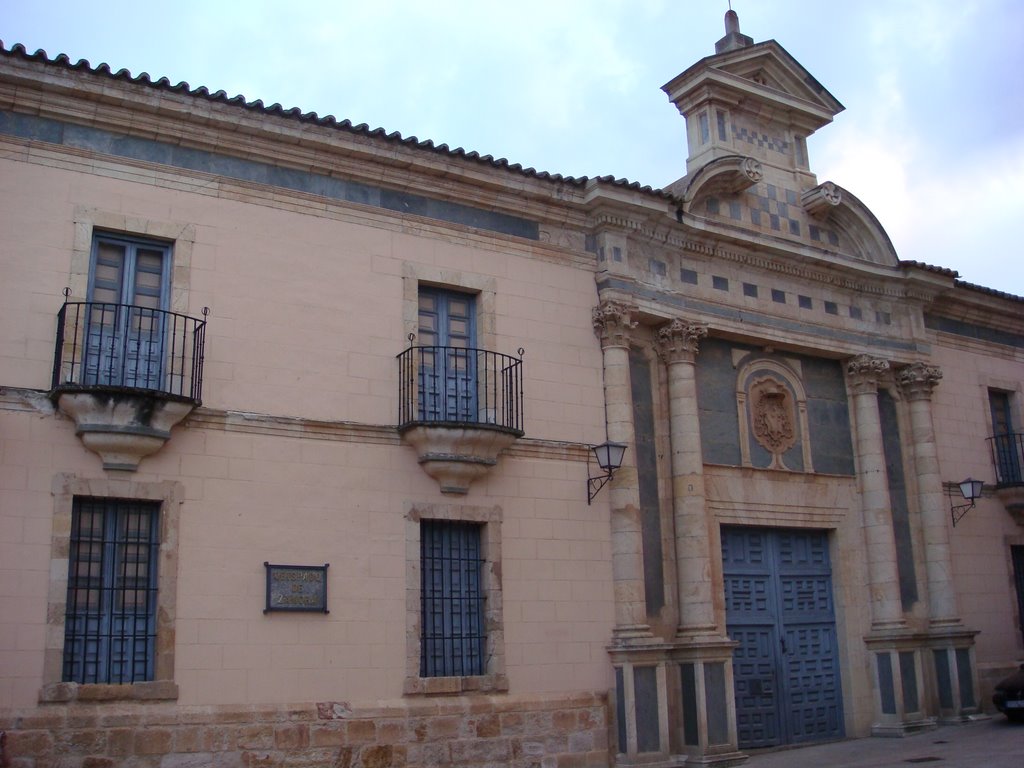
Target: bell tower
(752, 100)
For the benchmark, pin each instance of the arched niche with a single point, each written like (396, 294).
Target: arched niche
(771, 406)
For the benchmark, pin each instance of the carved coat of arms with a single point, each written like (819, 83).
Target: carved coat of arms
(772, 416)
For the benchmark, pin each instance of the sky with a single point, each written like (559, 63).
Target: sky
(932, 138)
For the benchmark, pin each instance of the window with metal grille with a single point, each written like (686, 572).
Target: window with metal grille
(110, 625)
(453, 639)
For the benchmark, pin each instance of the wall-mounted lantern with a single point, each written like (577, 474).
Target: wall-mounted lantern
(970, 489)
(609, 458)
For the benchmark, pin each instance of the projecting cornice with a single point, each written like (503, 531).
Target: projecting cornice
(181, 116)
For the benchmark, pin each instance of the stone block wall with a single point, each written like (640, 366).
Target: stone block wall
(517, 732)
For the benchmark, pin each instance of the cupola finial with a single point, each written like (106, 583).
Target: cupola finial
(733, 37)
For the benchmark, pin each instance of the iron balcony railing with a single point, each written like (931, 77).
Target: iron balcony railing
(1008, 456)
(102, 345)
(460, 386)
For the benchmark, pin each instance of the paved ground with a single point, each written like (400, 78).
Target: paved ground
(995, 743)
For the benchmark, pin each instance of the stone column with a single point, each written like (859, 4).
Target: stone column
(886, 610)
(613, 322)
(706, 706)
(955, 687)
(899, 703)
(677, 345)
(916, 382)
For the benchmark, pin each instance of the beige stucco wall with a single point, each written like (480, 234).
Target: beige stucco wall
(308, 309)
(306, 298)
(981, 540)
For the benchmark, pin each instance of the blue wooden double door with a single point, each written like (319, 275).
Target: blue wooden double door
(780, 610)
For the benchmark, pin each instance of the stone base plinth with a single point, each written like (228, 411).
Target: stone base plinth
(409, 733)
(675, 703)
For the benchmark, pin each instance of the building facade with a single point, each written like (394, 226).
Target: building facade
(295, 431)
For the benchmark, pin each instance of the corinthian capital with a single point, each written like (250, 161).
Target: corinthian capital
(613, 321)
(677, 341)
(917, 380)
(864, 372)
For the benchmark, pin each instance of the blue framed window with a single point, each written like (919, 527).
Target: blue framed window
(129, 283)
(447, 334)
(110, 624)
(452, 637)
(1005, 441)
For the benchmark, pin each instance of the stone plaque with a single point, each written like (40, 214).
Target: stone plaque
(296, 588)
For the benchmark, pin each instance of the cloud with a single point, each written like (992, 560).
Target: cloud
(971, 214)
(934, 117)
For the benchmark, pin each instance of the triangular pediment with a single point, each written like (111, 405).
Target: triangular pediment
(769, 65)
(764, 73)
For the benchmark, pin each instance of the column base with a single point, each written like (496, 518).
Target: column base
(901, 701)
(903, 728)
(954, 673)
(978, 717)
(633, 634)
(883, 628)
(676, 761)
(701, 633)
(639, 705)
(673, 703)
(706, 697)
(722, 760)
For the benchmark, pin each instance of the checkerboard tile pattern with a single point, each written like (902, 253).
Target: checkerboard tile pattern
(769, 208)
(762, 140)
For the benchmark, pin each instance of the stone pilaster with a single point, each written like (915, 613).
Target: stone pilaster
(613, 324)
(886, 610)
(955, 677)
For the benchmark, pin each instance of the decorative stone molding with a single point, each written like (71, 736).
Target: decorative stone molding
(455, 456)
(864, 371)
(248, 422)
(917, 380)
(120, 427)
(820, 201)
(613, 322)
(752, 170)
(678, 340)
